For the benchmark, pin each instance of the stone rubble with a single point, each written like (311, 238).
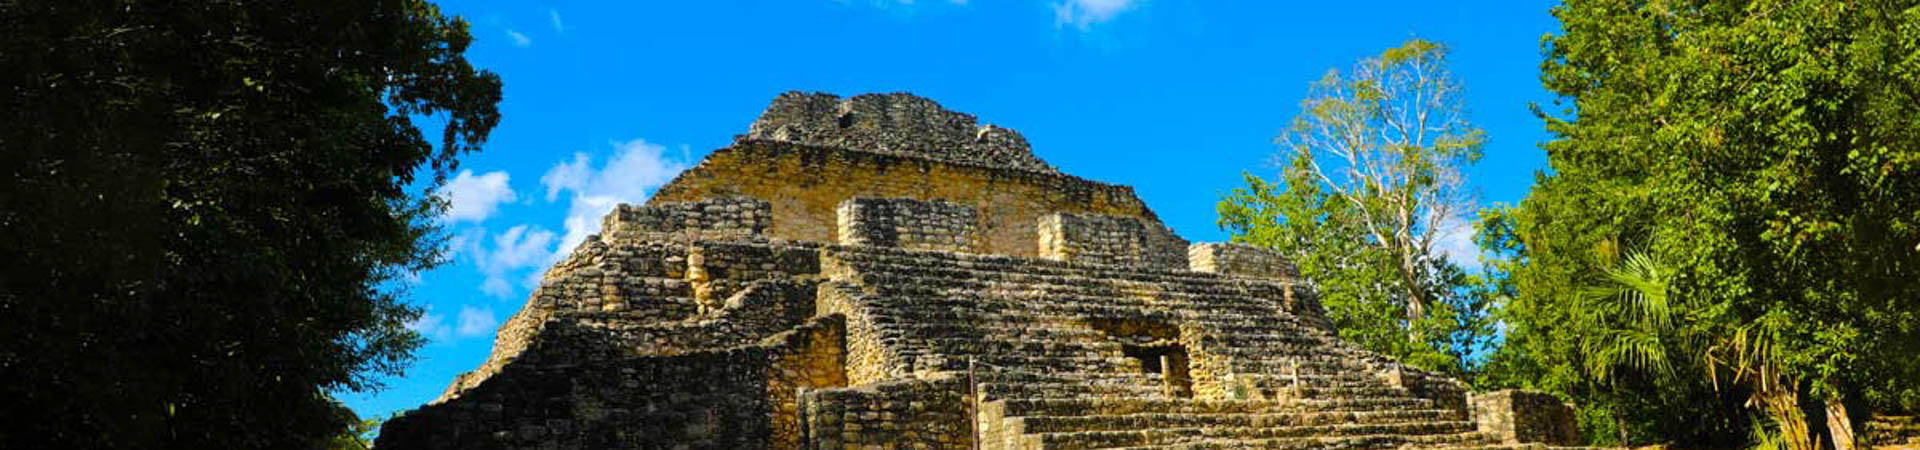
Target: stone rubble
(878, 272)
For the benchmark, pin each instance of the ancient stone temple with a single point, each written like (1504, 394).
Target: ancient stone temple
(879, 272)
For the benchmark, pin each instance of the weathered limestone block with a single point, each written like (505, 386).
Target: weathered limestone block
(1112, 240)
(1521, 416)
(910, 224)
(810, 356)
(1240, 260)
(718, 269)
(703, 400)
(715, 218)
(877, 272)
(899, 124)
(1893, 432)
(806, 184)
(911, 413)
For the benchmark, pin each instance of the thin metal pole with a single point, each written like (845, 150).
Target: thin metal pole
(800, 405)
(1294, 364)
(1166, 377)
(973, 407)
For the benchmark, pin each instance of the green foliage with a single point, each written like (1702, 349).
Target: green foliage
(1765, 153)
(359, 433)
(1372, 177)
(204, 202)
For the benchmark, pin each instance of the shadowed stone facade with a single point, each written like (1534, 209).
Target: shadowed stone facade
(879, 272)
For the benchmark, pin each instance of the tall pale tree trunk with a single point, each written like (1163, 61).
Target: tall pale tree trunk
(1839, 426)
(1416, 294)
(1782, 402)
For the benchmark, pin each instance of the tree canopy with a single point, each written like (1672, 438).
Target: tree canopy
(1765, 156)
(1371, 185)
(204, 204)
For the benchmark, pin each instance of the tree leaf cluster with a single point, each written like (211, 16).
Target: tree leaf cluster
(1370, 182)
(1763, 156)
(204, 204)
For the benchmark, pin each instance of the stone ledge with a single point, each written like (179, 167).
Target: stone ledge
(910, 224)
(1518, 416)
(897, 124)
(1240, 260)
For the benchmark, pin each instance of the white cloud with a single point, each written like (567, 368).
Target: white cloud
(888, 4)
(519, 248)
(1453, 239)
(553, 16)
(475, 198)
(630, 176)
(433, 326)
(1083, 14)
(568, 175)
(519, 40)
(514, 259)
(475, 322)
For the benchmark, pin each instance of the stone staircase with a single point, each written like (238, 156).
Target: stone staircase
(1894, 432)
(1049, 376)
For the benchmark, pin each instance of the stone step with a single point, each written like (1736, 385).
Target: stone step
(1110, 406)
(1104, 406)
(923, 280)
(998, 390)
(1015, 345)
(1457, 440)
(1000, 263)
(919, 283)
(1140, 421)
(1170, 436)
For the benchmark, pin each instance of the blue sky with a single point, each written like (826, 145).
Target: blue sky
(606, 101)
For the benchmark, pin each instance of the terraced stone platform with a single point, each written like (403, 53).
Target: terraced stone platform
(795, 290)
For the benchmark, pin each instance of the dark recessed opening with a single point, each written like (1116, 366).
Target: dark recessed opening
(1156, 347)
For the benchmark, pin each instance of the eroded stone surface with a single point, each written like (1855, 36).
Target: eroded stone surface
(897, 124)
(878, 272)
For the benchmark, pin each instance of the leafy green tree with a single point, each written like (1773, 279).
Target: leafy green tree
(204, 203)
(1767, 152)
(1372, 183)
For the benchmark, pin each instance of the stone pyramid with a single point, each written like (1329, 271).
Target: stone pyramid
(879, 272)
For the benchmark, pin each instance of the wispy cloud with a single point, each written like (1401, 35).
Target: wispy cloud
(475, 322)
(1083, 14)
(509, 254)
(432, 325)
(553, 16)
(519, 39)
(1453, 239)
(891, 4)
(470, 322)
(636, 168)
(474, 198)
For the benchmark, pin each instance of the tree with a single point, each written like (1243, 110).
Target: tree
(1372, 182)
(1767, 151)
(204, 202)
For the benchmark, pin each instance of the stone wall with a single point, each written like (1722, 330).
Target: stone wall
(719, 269)
(898, 124)
(1520, 416)
(1114, 240)
(869, 358)
(937, 225)
(811, 356)
(715, 218)
(1892, 432)
(913, 413)
(703, 400)
(1240, 260)
(579, 389)
(806, 184)
(761, 309)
